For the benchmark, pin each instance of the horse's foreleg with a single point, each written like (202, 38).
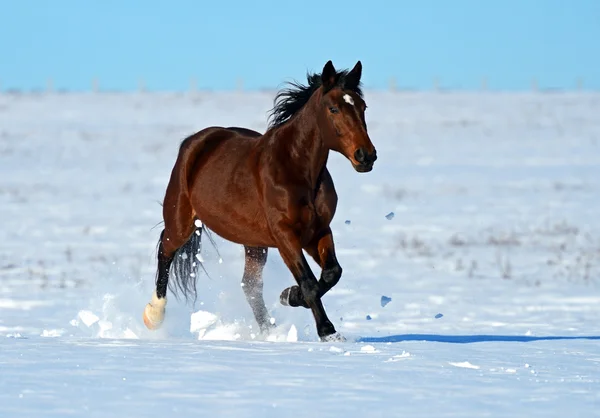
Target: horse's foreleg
(322, 250)
(252, 283)
(290, 249)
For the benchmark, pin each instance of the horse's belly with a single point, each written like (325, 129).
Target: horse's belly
(228, 227)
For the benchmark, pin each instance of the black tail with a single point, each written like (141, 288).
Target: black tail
(184, 268)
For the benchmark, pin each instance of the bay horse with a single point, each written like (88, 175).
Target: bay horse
(267, 191)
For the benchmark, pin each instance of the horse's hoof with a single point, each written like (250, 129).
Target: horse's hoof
(292, 296)
(266, 325)
(336, 337)
(154, 313)
(267, 330)
(284, 298)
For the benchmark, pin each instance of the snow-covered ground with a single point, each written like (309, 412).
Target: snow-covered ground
(480, 222)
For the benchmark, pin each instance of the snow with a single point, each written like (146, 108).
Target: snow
(464, 364)
(471, 257)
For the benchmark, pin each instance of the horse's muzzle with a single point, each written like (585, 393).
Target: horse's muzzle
(365, 160)
(363, 168)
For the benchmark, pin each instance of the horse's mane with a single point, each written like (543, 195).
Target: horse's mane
(290, 100)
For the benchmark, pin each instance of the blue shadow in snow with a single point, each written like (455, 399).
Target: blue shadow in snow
(467, 339)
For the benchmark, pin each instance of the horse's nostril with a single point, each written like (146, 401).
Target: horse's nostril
(360, 155)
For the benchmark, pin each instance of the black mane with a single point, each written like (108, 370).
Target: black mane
(290, 100)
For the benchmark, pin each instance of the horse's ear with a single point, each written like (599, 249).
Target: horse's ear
(353, 77)
(328, 75)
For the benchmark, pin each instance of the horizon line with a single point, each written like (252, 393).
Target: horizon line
(62, 90)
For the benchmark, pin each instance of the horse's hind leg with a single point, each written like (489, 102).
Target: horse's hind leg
(179, 226)
(252, 283)
(154, 312)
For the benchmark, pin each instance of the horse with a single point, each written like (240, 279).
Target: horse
(266, 191)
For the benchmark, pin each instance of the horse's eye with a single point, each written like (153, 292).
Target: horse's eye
(333, 109)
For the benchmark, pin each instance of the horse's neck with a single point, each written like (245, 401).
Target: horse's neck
(304, 144)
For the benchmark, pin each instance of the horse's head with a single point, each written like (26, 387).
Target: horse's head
(342, 117)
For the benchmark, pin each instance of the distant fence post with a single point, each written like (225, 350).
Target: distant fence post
(579, 83)
(392, 84)
(95, 85)
(240, 84)
(193, 85)
(436, 83)
(484, 84)
(49, 85)
(534, 84)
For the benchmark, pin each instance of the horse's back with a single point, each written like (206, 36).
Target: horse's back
(225, 189)
(226, 181)
(244, 131)
(213, 136)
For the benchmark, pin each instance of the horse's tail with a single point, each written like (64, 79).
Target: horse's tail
(184, 267)
(187, 258)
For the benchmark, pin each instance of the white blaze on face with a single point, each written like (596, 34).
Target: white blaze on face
(348, 99)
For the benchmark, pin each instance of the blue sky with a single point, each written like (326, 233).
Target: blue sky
(166, 43)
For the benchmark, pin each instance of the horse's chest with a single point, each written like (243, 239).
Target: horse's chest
(308, 221)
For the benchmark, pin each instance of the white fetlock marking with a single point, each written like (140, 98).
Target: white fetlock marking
(154, 312)
(157, 302)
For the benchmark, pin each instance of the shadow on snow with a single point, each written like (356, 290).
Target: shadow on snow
(467, 339)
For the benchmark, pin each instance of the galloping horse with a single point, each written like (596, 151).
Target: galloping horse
(270, 190)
